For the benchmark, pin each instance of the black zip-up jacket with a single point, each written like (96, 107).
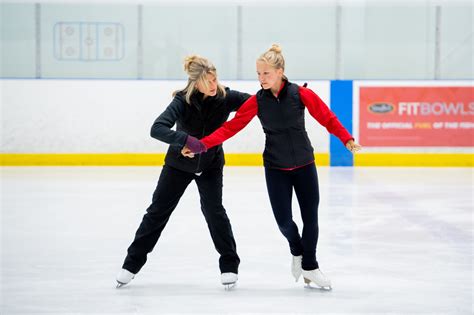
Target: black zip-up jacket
(198, 119)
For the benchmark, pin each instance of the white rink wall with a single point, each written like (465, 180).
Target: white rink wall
(112, 116)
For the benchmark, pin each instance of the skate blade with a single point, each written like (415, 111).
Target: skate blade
(229, 286)
(120, 284)
(313, 286)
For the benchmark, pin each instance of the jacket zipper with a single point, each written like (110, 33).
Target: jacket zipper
(199, 157)
(202, 135)
(290, 142)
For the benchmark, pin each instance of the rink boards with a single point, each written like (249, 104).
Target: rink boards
(107, 122)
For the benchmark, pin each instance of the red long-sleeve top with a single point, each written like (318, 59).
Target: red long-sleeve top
(316, 107)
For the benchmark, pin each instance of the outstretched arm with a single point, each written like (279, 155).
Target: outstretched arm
(244, 115)
(236, 99)
(321, 112)
(352, 146)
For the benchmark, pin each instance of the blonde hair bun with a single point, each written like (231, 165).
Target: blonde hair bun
(274, 58)
(197, 68)
(189, 60)
(275, 48)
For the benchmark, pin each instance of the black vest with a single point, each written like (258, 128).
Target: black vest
(286, 142)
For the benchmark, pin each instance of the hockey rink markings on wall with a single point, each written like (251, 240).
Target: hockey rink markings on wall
(88, 41)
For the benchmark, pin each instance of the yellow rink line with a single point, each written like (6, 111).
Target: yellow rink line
(123, 159)
(414, 159)
(232, 159)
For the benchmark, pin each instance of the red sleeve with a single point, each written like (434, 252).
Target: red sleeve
(321, 112)
(244, 115)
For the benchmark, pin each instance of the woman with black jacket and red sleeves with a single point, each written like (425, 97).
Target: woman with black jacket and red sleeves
(288, 156)
(197, 110)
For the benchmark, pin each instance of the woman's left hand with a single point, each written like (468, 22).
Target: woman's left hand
(187, 152)
(352, 146)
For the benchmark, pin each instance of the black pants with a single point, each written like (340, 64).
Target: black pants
(304, 181)
(171, 186)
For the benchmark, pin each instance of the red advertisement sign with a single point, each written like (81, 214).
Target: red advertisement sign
(416, 116)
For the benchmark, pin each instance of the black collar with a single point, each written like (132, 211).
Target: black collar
(199, 101)
(282, 90)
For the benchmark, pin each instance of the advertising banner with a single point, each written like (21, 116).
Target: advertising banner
(397, 116)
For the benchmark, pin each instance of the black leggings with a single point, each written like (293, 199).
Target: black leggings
(304, 181)
(171, 186)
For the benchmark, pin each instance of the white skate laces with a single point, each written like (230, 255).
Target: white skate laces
(124, 277)
(296, 267)
(229, 279)
(317, 277)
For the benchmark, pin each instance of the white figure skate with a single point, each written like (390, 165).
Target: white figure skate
(296, 267)
(229, 280)
(316, 277)
(124, 277)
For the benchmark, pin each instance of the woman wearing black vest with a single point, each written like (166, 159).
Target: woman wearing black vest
(197, 110)
(288, 156)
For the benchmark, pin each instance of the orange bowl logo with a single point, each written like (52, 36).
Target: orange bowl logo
(381, 108)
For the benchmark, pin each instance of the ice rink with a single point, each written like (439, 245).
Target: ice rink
(392, 240)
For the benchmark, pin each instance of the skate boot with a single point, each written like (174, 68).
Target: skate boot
(296, 267)
(124, 277)
(318, 278)
(229, 280)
